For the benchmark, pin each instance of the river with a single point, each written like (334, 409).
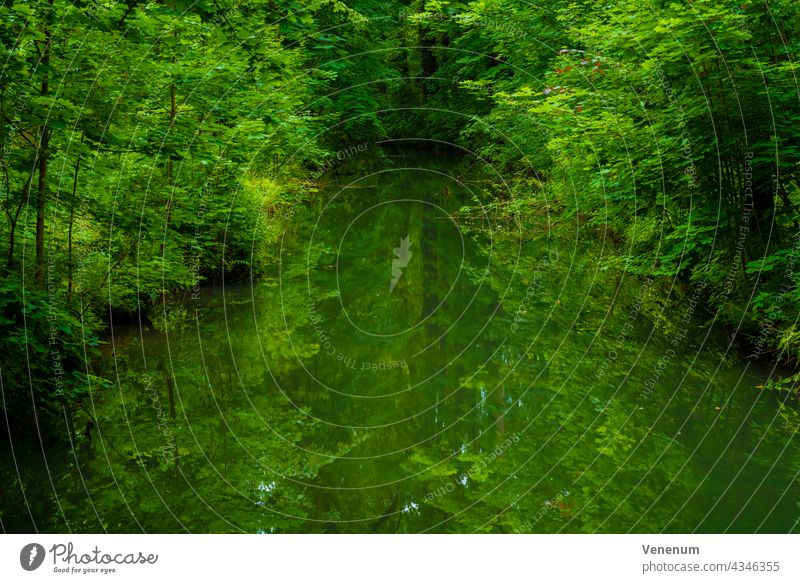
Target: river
(406, 367)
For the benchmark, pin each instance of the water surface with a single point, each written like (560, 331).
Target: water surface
(508, 382)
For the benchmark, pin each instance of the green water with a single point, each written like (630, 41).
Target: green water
(501, 386)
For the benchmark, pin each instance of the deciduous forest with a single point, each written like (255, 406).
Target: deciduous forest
(400, 266)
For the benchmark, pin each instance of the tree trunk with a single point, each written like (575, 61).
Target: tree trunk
(69, 231)
(12, 224)
(41, 203)
(173, 111)
(11, 234)
(427, 59)
(41, 199)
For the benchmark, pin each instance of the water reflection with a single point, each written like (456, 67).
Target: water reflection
(500, 384)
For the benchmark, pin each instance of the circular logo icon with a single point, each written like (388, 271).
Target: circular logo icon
(31, 556)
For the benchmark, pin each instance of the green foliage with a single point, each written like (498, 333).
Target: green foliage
(43, 359)
(149, 147)
(670, 128)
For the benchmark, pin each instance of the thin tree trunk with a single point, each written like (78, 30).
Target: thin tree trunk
(173, 111)
(427, 59)
(12, 224)
(11, 234)
(41, 203)
(69, 232)
(44, 139)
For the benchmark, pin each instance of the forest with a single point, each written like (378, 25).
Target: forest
(181, 180)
